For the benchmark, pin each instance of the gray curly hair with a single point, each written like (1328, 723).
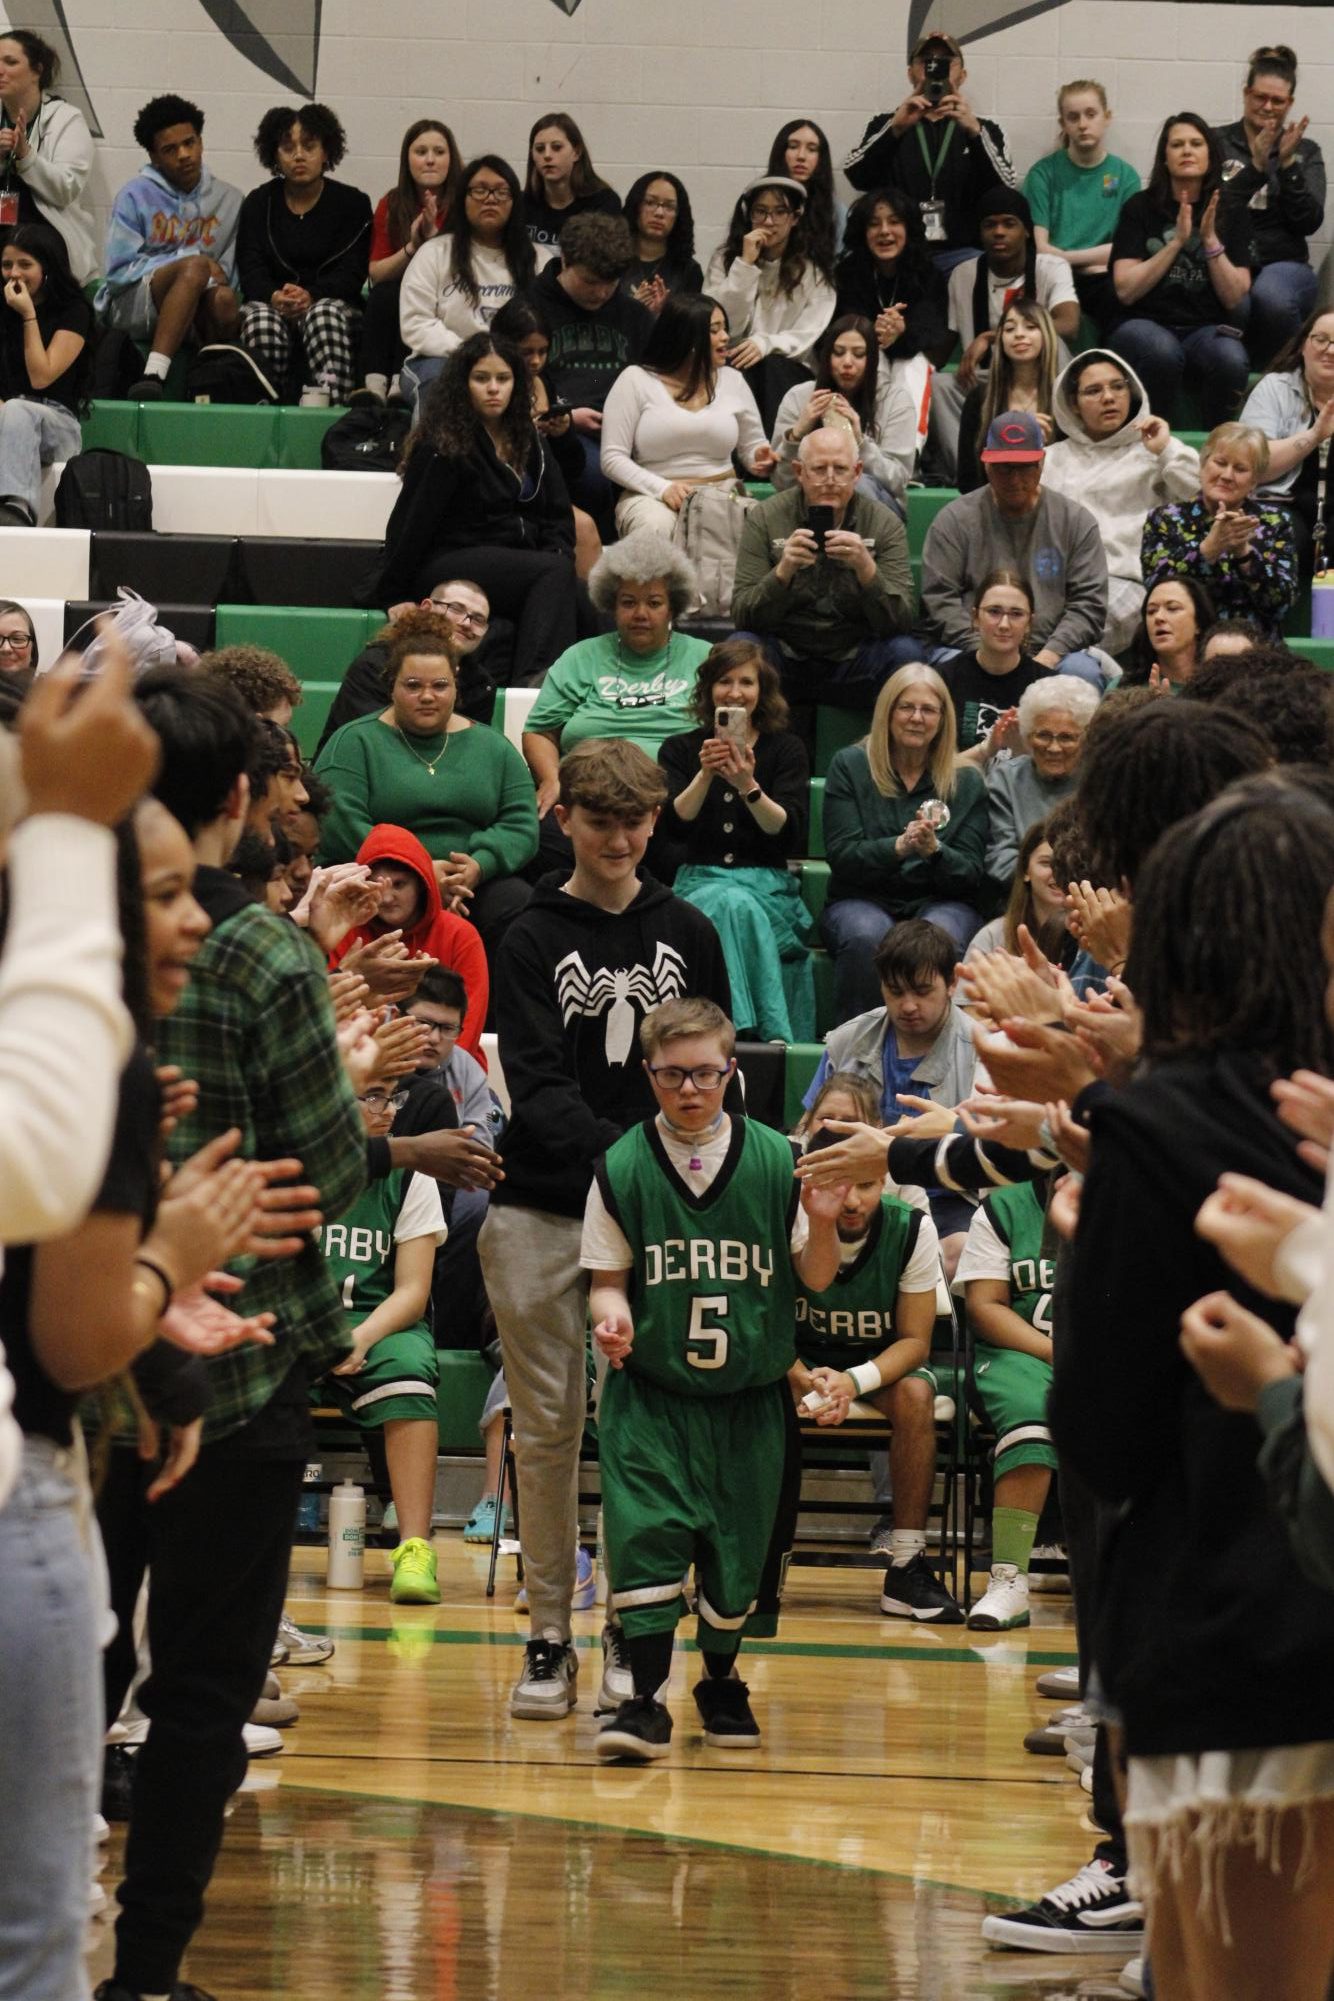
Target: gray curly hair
(642, 558)
(1057, 694)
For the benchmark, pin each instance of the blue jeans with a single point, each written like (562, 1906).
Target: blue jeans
(852, 927)
(1219, 365)
(417, 374)
(1281, 296)
(50, 1728)
(33, 433)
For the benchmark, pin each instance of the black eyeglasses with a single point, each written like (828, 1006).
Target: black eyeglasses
(479, 192)
(706, 1078)
(15, 642)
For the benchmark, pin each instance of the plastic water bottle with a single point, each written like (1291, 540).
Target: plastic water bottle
(347, 1537)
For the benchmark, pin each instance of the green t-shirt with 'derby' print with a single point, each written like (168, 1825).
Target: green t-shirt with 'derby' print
(599, 688)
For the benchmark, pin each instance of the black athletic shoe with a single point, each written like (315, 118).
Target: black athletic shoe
(640, 1731)
(1093, 1912)
(117, 1781)
(912, 1591)
(111, 1990)
(148, 389)
(725, 1711)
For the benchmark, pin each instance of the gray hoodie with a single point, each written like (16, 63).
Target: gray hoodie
(1118, 479)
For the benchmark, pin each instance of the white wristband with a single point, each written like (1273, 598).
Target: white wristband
(867, 1378)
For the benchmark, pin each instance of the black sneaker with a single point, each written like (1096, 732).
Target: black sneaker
(912, 1591)
(148, 389)
(640, 1731)
(117, 1781)
(725, 1711)
(1093, 1912)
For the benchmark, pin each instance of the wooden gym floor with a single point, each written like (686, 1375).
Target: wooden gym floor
(413, 1843)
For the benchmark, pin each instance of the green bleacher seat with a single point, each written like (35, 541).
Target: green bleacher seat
(816, 839)
(317, 645)
(814, 879)
(834, 729)
(308, 719)
(112, 427)
(803, 1060)
(1319, 650)
(300, 434)
(924, 504)
(760, 489)
(465, 1379)
(207, 434)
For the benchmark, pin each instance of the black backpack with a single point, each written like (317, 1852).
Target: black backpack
(366, 440)
(221, 373)
(104, 489)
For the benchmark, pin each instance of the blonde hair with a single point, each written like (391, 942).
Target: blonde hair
(1248, 437)
(1000, 376)
(1069, 90)
(674, 1020)
(942, 761)
(847, 1084)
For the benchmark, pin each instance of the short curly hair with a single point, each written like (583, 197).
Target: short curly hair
(162, 112)
(599, 244)
(641, 558)
(262, 679)
(424, 634)
(316, 119)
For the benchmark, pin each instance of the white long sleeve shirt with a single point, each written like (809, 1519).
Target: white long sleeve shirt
(887, 457)
(758, 309)
(649, 440)
(1305, 1272)
(435, 314)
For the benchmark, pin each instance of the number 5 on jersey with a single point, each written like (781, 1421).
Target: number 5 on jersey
(706, 1346)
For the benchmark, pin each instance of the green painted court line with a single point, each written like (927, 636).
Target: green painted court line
(797, 1649)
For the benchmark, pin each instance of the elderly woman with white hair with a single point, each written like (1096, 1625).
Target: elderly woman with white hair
(1054, 714)
(1244, 553)
(635, 682)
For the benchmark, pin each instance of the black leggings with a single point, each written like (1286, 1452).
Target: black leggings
(532, 589)
(383, 348)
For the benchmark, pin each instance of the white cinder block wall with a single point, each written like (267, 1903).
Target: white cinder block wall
(697, 87)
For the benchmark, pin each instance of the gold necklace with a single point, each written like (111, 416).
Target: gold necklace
(429, 762)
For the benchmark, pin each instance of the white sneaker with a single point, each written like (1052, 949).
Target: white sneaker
(301, 1649)
(1004, 1603)
(548, 1686)
(101, 1829)
(1131, 1977)
(618, 1684)
(260, 1741)
(1059, 1684)
(97, 1899)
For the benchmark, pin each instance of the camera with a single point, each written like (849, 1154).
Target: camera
(936, 73)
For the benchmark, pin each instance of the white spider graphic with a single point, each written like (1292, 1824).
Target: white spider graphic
(617, 991)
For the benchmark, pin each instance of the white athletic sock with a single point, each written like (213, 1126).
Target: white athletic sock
(157, 364)
(379, 383)
(904, 1545)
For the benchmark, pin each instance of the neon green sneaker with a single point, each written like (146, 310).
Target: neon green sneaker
(414, 1574)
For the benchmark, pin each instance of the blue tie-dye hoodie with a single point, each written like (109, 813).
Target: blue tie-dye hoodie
(153, 223)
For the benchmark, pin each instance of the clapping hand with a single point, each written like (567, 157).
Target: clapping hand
(1248, 1223)
(1102, 921)
(889, 326)
(387, 966)
(1306, 1103)
(1230, 533)
(1235, 1354)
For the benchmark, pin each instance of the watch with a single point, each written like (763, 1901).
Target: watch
(757, 793)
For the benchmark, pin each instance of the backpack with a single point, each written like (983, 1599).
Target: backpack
(222, 373)
(708, 532)
(104, 489)
(366, 440)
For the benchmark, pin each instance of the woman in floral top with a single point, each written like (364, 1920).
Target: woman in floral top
(1244, 554)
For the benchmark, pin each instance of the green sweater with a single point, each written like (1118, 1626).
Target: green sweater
(480, 801)
(823, 613)
(598, 688)
(861, 827)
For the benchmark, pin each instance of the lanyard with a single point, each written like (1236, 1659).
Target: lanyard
(934, 168)
(1318, 532)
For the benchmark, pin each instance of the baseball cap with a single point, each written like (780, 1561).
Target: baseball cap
(937, 38)
(1013, 438)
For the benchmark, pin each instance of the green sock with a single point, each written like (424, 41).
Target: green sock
(1013, 1533)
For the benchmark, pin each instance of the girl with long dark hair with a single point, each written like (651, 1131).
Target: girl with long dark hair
(482, 498)
(414, 211)
(662, 224)
(768, 281)
(855, 390)
(886, 275)
(45, 361)
(561, 179)
(801, 151)
(1022, 376)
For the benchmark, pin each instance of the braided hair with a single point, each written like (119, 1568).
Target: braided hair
(1286, 696)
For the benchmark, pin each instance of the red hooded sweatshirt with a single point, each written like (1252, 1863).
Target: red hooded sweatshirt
(451, 940)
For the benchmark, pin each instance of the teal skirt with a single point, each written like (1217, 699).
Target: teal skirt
(766, 935)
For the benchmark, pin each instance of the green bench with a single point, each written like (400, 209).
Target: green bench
(318, 645)
(267, 436)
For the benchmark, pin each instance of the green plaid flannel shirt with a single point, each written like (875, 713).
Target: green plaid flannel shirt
(255, 1029)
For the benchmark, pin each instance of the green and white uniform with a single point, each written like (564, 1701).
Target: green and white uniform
(691, 1430)
(1005, 1242)
(854, 1320)
(399, 1376)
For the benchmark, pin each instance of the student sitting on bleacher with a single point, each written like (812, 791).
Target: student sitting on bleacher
(1244, 553)
(867, 1338)
(412, 214)
(381, 1253)
(483, 497)
(462, 789)
(1077, 194)
(457, 611)
(775, 286)
(1022, 376)
(831, 599)
(1118, 460)
(662, 224)
(562, 181)
(737, 809)
(855, 390)
(1293, 404)
(44, 366)
(303, 251)
(171, 245)
(987, 681)
(46, 149)
(886, 276)
(18, 639)
(1037, 901)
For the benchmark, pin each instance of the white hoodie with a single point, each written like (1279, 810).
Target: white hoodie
(435, 314)
(1118, 479)
(55, 173)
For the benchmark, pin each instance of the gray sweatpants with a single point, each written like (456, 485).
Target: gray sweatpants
(539, 1295)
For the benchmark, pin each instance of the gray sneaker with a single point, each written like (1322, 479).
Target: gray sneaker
(880, 1544)
(618, 1683)
(547, 1686)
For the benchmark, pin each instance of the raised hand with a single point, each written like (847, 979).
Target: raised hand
(1248, 1223)
(1235, 1354)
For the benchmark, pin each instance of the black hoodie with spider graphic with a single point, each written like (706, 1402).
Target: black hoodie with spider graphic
(572, 984)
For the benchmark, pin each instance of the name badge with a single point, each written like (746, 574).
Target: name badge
(933, 220)
(9, 209)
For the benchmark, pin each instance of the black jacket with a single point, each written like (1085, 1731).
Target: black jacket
(1200, 1601)
(330, 256)
(1293, 206)
(469, 503)
(588, 350)
(572, 984)
(922, 299)
(724, 834)
(970, 167)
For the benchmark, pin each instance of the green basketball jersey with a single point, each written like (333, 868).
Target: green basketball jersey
(360, 1246)
(854, 1320)
(1018, 1218)
(712, 1288)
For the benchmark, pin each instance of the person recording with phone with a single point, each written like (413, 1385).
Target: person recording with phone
(937, 150)
(823, 579)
